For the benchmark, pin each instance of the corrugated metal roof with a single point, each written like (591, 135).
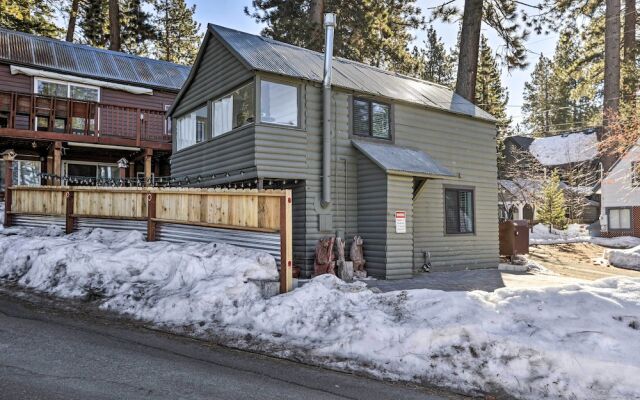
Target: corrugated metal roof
(264, 54)
(401, 160)
(75, 59)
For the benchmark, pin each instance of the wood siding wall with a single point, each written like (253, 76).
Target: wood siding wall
(156, 101)
(14, 83)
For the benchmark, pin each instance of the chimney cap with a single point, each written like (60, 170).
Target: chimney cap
(329, 19)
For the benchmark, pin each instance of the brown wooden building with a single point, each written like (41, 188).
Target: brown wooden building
(72, 111)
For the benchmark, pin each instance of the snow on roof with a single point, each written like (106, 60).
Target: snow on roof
(567, 148)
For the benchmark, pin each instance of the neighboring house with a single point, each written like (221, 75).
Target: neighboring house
(399, 147)
(620, 192)
(573, 154)
(73, 111)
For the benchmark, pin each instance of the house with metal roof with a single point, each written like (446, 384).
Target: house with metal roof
(405, 164)
(70, 112)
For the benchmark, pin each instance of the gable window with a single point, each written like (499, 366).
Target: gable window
(279, 103)
(619, 218)
(234, 110)
(191, 128)
(635, 174)
(458, 208)
(371, 119)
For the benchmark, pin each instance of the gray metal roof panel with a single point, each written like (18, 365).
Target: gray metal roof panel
(264, 54)
(76, 59)
(401, 160)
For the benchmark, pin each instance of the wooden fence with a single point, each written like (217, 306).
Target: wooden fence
(266, 211)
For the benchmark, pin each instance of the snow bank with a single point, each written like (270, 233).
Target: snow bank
(577, 341)
(621, 242)
(629, 258)
(575, 233)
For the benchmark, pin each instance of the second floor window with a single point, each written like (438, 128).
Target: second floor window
(234, 110)
(191, 128)
(67, 89)
(371, 119)
(279, 104)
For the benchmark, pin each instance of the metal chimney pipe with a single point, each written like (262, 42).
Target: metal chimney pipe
(329, 24)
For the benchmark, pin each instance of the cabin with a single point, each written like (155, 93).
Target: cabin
(70, 112)
(620, 193)
(405, 164)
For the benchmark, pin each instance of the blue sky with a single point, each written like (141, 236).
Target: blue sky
(230, 13)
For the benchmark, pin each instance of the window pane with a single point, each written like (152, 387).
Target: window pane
(458, 211)
(26, 173)
(222, 115)
(244, 106)
(614, 219)
(278, 103)
(360, 117)
(191, 128)
(52, 89)
(84, 93)
(81, 170)
(451, 211)
(201, 123)
(380, 120)
(108, 172)
(625, 218)
(465, 201)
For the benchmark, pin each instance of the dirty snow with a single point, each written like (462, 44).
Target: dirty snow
(575, 341)
(565, 149)
(575, 233)
(624, 258)
(621, 242)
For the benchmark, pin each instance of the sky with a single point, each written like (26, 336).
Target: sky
(230, 13)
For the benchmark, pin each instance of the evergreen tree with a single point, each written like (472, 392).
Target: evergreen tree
(31, 16)
(177, 32)
(491, 96)
(137, 28)
(552, 206)
(433, 62)
(374, 32)
(94, 22)
(538, 99)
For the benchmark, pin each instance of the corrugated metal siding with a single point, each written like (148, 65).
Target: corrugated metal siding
(221, 154)
(218, 72)
(373, 215)
(267, 242)
(112, 224)
(399, 246)
(76, 59)
(38, 221)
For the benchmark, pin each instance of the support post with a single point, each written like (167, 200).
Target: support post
(57, 162)
(147, 166)
(151, 215)
(286, 244)
(69, 218)
(8, 156)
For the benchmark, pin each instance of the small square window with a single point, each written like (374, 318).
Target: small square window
(459, 208)
(619, 218)
(371, 119)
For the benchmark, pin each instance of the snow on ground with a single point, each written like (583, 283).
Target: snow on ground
(622, 242)
(572, 341)
(575, 233)
(624, 258)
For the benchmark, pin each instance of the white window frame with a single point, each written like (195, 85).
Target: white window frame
(618, 209)
(298, 102)
(69, 84)
(230, 95)
(65, 166)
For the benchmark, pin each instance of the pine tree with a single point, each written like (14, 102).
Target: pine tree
(552, 208)
(433, 62)
(374, 32)
(31, 16)
(491, 96)
(137, 30)
(178, 38)
(538, 99)
(94, 22)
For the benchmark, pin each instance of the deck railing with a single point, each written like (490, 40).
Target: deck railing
(34, 112)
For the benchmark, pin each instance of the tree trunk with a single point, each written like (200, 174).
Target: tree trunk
(114, 25)
(469, 46)
(317, 19)
(611, 70)
(73, 14)
(629, 45)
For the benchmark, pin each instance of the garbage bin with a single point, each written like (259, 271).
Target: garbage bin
(514, 237)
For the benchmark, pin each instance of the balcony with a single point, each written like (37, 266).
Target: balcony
(38, 117)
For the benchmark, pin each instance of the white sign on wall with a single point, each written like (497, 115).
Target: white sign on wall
(401, 222)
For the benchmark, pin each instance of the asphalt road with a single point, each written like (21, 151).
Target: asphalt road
(50, 354)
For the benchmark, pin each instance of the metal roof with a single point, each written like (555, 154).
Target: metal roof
(401, 160)
(76, 59)
(264, 54)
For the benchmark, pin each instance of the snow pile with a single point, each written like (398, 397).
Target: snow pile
(575, 233)
(629, 258)
(565, 149)
(575, 341)
(621, 242)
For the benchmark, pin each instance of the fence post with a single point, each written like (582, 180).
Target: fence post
(69, 218)
(151, 215)
(286, 245)
(8, 156)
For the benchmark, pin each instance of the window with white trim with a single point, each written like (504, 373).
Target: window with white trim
(279, 103)
(191, 128)
(619, 218)
(75, 91)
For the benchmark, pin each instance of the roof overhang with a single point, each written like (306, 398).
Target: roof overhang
(405, 161)
(15, 70)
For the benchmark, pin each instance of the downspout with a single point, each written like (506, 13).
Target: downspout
(329, 24)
